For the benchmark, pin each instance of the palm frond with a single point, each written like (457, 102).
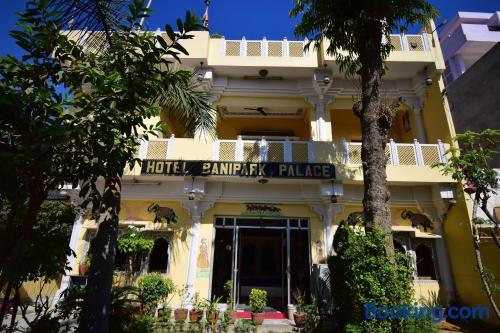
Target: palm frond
(187, 105)
(92, 21)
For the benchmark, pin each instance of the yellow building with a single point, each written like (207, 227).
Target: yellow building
(259, 204)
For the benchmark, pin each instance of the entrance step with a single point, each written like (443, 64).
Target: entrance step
(275, 325)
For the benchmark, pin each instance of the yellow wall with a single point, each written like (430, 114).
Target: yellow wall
(230, 128)
(437, 118)
(458, 237)
(345, 125)
(29, 290)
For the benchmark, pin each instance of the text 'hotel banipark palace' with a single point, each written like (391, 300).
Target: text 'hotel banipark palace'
(259, 203)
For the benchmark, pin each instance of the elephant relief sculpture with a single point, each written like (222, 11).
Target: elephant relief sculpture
(417, 219)
(161, 213)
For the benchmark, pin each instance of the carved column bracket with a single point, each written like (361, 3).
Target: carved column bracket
(327, 212)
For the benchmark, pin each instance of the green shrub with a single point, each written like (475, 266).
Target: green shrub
(144, 324)
(311, 317)
(258, 300)
(363, 272)
(154, 288)
(245, 326)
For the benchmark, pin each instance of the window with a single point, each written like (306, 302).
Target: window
(158, 259)
(425, 262)
(128, 262)
(399, 247)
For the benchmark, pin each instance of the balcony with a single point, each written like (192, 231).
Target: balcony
(405, 162)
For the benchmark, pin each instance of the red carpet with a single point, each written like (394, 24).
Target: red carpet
(267, 315)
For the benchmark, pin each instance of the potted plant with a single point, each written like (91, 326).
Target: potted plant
(83, 268)
(154, 288)
(230, 315)
(470, 187)
(299, 316)
(180, 314)
(258, 301)
(211, 306)
(197, 311)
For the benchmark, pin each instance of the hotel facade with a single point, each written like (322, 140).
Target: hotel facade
(259, 203)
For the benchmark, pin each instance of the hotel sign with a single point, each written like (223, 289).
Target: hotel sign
(238, 169)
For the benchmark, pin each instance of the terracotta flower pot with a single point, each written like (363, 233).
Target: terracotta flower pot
(195, 316)
(231, 315)
(180, 314)
(258, 318)
(213, 316)
(299, 319)
(83, 269)
(470, 189)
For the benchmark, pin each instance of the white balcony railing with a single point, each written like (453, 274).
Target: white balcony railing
(295, 49)
(263, 150)
(399, 153)
(264, 48)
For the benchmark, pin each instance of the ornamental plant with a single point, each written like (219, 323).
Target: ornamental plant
(154, 288)
(133, 241)
(363, 272)
(468, 163)
(258, 300)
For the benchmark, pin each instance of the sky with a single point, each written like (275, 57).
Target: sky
(231, 18)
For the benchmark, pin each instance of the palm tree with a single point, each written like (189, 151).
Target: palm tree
(355, 30)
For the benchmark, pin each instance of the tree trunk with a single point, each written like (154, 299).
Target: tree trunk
(479, 260)
(5, 303)
(14, 311)
(95, 312)
(374, 132)
(12, 258)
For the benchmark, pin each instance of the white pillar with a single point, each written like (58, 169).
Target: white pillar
(73, 244)
(327, 212)
(322, 120)
(196, 208)
(444, 263)
(419, 120)
(194, 233)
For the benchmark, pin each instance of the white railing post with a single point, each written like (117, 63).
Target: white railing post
(243, 47)
(404, 42)
(287, 150)
(216, 150)
(418, 152)
(285, 47)
(394, 153)
(263, 47)
(345, 151)
(310, 151)
(143, 149)
(223, 46)
(263, 149)
(306, 51)
(170, 145)
(425, 40)
(239, 149)
(442, 152)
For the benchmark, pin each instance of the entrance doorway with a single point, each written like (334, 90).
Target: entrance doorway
(265, 253)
